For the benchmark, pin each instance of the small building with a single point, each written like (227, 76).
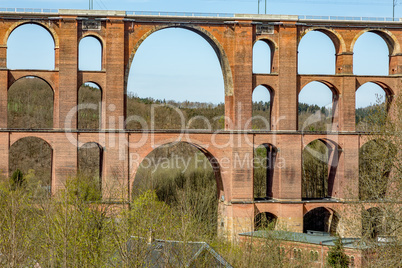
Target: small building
(311, 247)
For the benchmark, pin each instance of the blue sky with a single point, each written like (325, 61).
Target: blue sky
(178, 64)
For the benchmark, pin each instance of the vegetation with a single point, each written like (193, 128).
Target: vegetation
(168, 114)
(183, 178)
(30, 104)
(90, 98)
(336, 255)
(177, 201)
(315, 170)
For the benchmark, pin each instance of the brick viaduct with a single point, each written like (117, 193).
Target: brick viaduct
(232, 38)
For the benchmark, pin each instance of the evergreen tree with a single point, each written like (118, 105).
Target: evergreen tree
(336, 256)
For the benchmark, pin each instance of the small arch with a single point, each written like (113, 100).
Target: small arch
(34, 52)
(321, 219)
(373, 101)
(89, 106)
(263, 56)
(90, 169)
(262, 107)
(265, 221)
(373, 223)
(30, 104)
(318, 106)
(264, 168)
(90, 56)
(320, 159)
(317, 53)
(33, 156)
(375, 165)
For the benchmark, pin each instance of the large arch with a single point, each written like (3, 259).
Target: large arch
(30, 104)
(318, 106)
(320, 159)
(321, 219)
(208, 155)
(34, 158)
(264, 168)
(36, 52)
(220, 53)
(317, 52)
(175, 101)
(185, 176)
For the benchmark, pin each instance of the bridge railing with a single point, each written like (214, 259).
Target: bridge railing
(28, 10)
(307, 17)
(179, 14)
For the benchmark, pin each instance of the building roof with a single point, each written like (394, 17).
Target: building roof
(163, 253)
(317, 238)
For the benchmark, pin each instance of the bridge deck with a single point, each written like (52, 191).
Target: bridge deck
(196, 15)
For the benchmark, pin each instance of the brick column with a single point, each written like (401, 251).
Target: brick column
(114, 66)
(242, 71)
(289, 168)
(395, 64)
(3, 98)
(344, 63)
(4, 151)
(284, 114)
(68, 65)
(347, 105)
(3, 56)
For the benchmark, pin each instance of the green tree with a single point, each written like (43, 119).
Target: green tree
(336, 255)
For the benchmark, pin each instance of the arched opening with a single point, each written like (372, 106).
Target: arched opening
(373, 223)
(376, 159)
(265, 221)
(264, 167)
(33, 157)
(90, 166)
(321, 220)
(316, 54)
(90, 54)
(181, 86)
(89, 106)
(320, 161)
(370, 55)
(372, 105)
(262, 57)
(315, 170)
(261, 108)
(317, 106)
(31, 46)
(187, 178)
(30, 104)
